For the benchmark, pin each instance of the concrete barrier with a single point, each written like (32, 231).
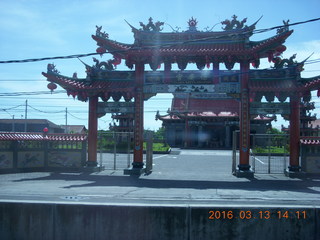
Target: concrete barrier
(93, 221)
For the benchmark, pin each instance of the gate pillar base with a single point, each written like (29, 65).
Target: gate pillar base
(134, 171)
(244, 174)
(93, 168)
(91, 164)
(294, 172)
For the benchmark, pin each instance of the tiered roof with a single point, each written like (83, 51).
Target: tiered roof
(155, 47)
(193, 108)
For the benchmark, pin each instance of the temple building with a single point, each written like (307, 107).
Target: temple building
(206, 123)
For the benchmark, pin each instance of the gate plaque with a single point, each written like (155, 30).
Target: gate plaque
(115, 107)
(269, 108)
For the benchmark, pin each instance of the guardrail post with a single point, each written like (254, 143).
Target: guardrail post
(269, 154)
(149, 152)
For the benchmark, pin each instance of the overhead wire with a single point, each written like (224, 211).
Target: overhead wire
(152, 47)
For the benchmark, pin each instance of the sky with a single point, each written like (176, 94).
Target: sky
(36, 29)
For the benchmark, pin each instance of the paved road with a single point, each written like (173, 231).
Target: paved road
(192, 177)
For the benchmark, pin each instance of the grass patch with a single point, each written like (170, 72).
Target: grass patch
(271, 150)
(158, 147)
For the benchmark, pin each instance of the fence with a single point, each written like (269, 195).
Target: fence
(38, 151)
(269, 153)
(115, 150)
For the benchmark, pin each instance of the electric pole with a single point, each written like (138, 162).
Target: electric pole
(26, 116)
(66, 129)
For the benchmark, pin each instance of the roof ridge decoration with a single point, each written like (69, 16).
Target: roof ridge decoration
(152, 27)
(285, 27)
(284, 62)
(234, 23)
(192, 24)
(101, 34)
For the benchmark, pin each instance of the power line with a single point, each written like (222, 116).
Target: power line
(153, 47)
(12, 94)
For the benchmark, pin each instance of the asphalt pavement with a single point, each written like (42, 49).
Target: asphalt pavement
(199, 177)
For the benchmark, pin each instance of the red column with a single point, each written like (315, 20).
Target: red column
(138, 117)
(215, 72)
(294, 133)
(244, 118)
(186, 133)
(92, 131)
(167, 71)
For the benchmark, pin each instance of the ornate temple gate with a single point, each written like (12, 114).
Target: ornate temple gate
(203, 48)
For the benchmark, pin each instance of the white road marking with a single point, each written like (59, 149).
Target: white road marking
(160, 156)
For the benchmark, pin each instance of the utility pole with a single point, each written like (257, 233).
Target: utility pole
(13, 128)
(26, 116)
(66, 129)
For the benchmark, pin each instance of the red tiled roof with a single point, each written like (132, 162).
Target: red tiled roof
(80, 85)
(208, 115)
(196, 48)
(310, 141)
(22, 136)
(312, 85)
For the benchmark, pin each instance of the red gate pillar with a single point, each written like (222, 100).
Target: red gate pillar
(244, 119)
(215, 72)
(187, 133)
(167, 72)
(294, 133)
(138, 117)
(92, 132)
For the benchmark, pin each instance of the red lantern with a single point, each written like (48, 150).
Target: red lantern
(52, 86)
(116, 61)
(45, 130)
(281, 48)
(101, 50)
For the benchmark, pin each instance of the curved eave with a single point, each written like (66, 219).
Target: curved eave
(96, 86)
(210, 115)
(237, 48)
(111, 45)
(265, 46)
(311, 84)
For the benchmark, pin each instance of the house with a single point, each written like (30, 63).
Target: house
(29, 125)
(81, 129)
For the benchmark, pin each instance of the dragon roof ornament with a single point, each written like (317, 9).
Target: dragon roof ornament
(285, 27)
(101, 34)
(233, 24)
(155, 27)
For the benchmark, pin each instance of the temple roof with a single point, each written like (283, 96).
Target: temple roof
(182, 108)
(82, 88)
(196, 48)
(232, 44)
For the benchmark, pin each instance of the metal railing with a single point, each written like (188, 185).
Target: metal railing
(115, 150)
(269, 153)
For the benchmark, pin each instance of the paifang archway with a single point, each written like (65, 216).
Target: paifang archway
(204, 48)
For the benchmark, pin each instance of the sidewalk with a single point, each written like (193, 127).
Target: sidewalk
(193, 178)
